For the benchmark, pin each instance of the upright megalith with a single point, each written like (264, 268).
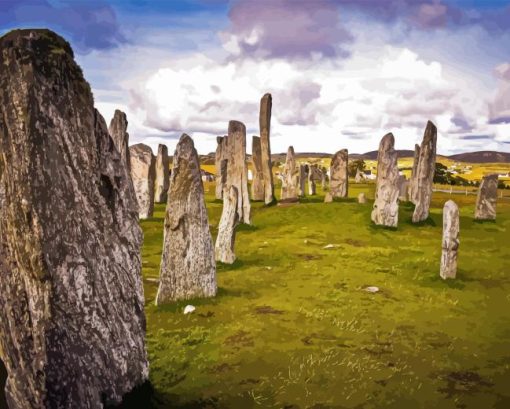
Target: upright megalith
(423, 181)
(265, 147)
(237, 169)
(302, 180)
(450, 245)
(313, 173)
(290, 177)
(225, 241)
(257, 184)
(487, 198)
(412, 182)
(403, 188)
(188, 269)
(339, 175)
(385, 211)
(220, 162)
(143, 175)
(72, 322)
(162, 179)
(120, 136)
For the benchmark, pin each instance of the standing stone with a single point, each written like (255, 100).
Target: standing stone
(426, 168)
(339, 175)
(312, 174)
(450, 240)
(220, 162)
(487, 197)
(290, 177)
(302, 180)
(118, 132)
(188, 269)
(257, 184)
(265, 147)
(412, 183)
(359, 176)
(72, 322)
(324, 178)
(362, 199)
(162, 175)
(385, 212)
(403, 187)
(237, 169)
(227, 228)
(143, 174)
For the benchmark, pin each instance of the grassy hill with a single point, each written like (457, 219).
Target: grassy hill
(293, 327)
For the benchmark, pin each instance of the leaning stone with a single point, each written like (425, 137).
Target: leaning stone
(290, 175)
(302, 180)
(362, 199)
(487, 198)
(450, 240)
(265, 147)
(188, 269)
(72, 322)
(227, 228)
(162, 175)
(339, 176)
(220, 162)
(257, 184)
(385, 212)
(118, 132)
(143, 174)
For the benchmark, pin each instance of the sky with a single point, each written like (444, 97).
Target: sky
(342, 73)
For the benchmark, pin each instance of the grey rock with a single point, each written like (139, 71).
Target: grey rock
(385, 211)
(188, 268)
(312, 177)
(290, 177)
(120, 136)
(412, 182)
(302, 180)
(362, 199)
(265, 146)
(451, 240)
(72, 322)
(257, 184)
(221, 161)
(339, 176)
(227, 229)
(487, 198)
(162, 181)
(360, 177)
(143, 175)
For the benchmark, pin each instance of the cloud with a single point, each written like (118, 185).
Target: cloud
(88, 25)
(476, 137)
(499, 107)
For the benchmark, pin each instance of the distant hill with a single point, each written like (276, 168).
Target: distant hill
(482, 157)
(372, 155)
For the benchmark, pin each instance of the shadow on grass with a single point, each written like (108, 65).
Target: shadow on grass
(246, 227)
(377, 227)
(429, 221)
(482, 222)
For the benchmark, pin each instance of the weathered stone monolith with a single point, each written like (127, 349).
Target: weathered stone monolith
(237, 169)
(487, 198)
(257, 184)
(362, 199)
(220, 162)
(451, 241)
(143, 175)
(403, 188)
(120, 136)
(265, 147)
(188, 269)
(162, 181)
(412, 182)
(359, 176)
(312, 175)
(72, 322)
(422, 188)
(227, 229)
(385, 212)
(290, 177)
(324, 179)
(339, 176)
(302, 180)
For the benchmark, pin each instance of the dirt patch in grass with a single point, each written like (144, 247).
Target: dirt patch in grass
(267, 309)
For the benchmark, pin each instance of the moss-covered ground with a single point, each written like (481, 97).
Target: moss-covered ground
(293, 327)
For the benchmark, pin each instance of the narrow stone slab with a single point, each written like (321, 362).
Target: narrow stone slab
(403, 188)
(266, 103)
(257, 184)
(302, 180)
(313, 173)
(120, 136)
(362, 199)
(220, 162)
(414, 172)
(225, 241)
(487, 198)
(290, 177)
(451, 240)
(339, 175)
(143, 175)
(162, 175)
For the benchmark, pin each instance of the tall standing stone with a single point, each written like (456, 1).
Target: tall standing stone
(290, 177)
(312, 174)
(425, 170)
(339, 175)
(487, 198)
(143, 175)
(302, 180)
(72, 322)
(403, 187)
(237, 169)
(257, 184)
(412, 183)
(451, 241)
(220, 162)
(225, 241)
(188, 269)
(120, 136)
(385, 211)
(265, 147)
(162, 181)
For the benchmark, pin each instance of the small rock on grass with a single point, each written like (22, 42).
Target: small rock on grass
(371, 289)
(329, 246)
(189, 309)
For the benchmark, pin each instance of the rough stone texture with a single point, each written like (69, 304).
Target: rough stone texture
(265, 147)
(143, 175)
(162, 180)
(72, 321)
(385, 212)
(118, 132)
(257, 184)
(290, 177)
(339, 176)
(302, 180)
(237, 169)
(312, 175)
(220, 162)
(425, 170)
(359, 178)
(227, 229)
(487, 197)
(412, 182)
(362, 199)
(451, 241)
(188, 269)
(403, 187)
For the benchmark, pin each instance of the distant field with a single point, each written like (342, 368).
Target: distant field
(292, 327)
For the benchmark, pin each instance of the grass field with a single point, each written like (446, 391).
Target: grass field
(292, 326)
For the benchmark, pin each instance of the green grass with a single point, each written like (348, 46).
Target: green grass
(292, 327)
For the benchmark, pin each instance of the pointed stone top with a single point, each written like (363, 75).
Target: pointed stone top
(290, 151)
(120, 114)
(430, 132)
(140, 147)
(387, 142)
(162, 148)
(267, 95)
(450, 204)
(236, 126)
(185, 141)
(44, 40)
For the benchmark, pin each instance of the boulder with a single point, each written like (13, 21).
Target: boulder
(257, 184)
(227, 229)
(162, 181)
(487, 198)
(143, 175)
(265, 147)
(451, 241)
